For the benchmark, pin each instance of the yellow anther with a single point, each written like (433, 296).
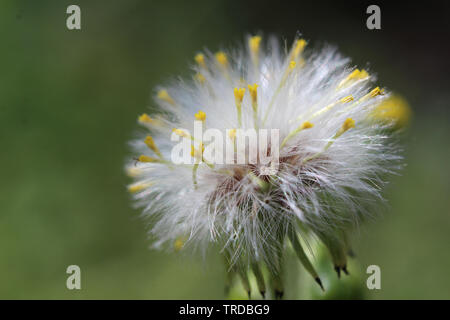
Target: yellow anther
(200, 78)
(200, 115)
(354, 75)
(178, 244)
(292, 64)
(151, 145)
(181, 133)
(348, 124)
(135, 188)
(147, 159)
(196, 153)
(138, 187)
(253, 90)
(239, 94)
(200, 59)
(363, 74)
(358, 74)
(232, 134)
(375, 92)
(298, 48)
(372, 94)
(328, 107)
(165, 96)
(254, 43)
(144, 118)
(221, 58)
(346, 99)
(238, 97)
(306, 125)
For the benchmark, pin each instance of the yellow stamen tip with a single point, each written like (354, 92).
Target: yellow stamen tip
(165, 96)
(348, 124)
(151, 144)
(299, 47)
(292, 64)
(232, 134)
(306, 125)
(149, 140)
(200, 59)
(346, 99)
(147, 159)
(196, 153)
(239, 94)
(181, 133)
(138, 187)
(354, 75)
(375, 92)
(178, 244)
(221, 58)
(200, 78)
(253, 90)
(200, 115)
(144, 118)
(254, 43)
(363, 74)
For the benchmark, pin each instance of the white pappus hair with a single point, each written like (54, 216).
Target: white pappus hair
(333, 155)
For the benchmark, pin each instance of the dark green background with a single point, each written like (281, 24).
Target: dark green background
(69, 102)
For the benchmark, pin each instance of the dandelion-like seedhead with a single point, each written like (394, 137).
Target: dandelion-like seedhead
(333, 157)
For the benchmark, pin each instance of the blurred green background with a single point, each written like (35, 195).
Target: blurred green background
(69, 102)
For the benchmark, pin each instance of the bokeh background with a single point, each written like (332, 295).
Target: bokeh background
(69, 102)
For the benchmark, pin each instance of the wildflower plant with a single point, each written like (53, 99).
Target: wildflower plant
(333, 156)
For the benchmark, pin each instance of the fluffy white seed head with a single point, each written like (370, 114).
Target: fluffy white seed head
(333, 156)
